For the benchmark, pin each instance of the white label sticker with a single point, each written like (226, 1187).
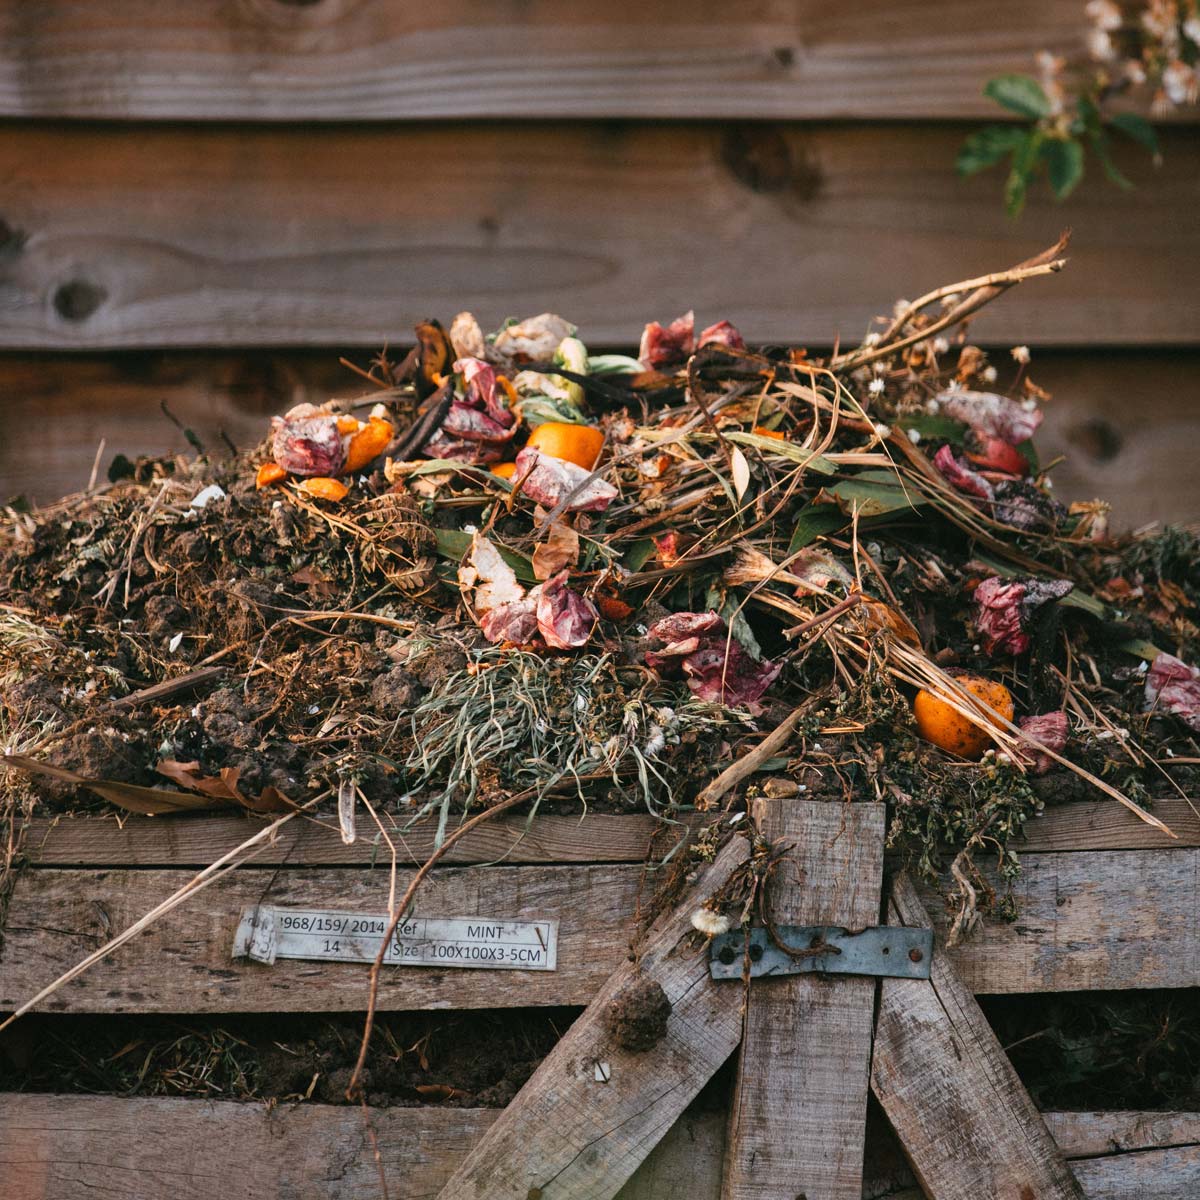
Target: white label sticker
(266, 933)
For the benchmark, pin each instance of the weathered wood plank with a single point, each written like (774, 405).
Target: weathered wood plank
(967, 1125)
(72, 1147)
(1107, 825)
(1113, 1155)
(1094, 1134)
(595, 1108)
(183, 964)
(89, 841)
(800, 1102)
(1121, 919)
(332, 236)
(338, 61)
(195, 840)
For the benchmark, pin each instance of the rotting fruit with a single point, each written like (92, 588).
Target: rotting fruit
(578, 444)
(945, 727)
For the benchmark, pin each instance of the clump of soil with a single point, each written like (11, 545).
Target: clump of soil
(637, 1017)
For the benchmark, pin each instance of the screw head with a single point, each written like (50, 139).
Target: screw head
(915, 954)
(725, 955)
(756, 952)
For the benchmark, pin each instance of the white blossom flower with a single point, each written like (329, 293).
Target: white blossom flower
(955, 385)
(711, 924)
(988, 375)
(900, 308)
(1021, 354)
(876, 387)
(914, 436)
(1134, 72)
(941, 345)
(1191, 29)
(872, 339)
(883, 431)
(951, 300)
(1104, 14)
(1180, 83)
(1100, 45)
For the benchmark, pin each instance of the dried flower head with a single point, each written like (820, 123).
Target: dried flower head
(710, 923)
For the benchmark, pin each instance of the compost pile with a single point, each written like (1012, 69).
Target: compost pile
(519, 569)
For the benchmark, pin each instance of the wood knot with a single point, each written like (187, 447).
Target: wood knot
(77, 299)
(761, 157)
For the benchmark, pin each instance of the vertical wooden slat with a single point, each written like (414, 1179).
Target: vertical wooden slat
(967, 1125)
(797, 1124)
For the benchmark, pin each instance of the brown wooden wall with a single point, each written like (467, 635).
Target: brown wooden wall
(206, 203)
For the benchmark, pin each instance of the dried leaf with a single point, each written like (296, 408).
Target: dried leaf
(741, 472)
(149, 801)
(559, 551)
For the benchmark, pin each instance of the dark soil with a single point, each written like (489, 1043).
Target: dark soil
(461, 1059)
(637, 1017)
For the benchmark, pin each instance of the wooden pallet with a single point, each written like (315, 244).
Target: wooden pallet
(1104, 901)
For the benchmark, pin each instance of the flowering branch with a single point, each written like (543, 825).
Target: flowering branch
(1068, 106)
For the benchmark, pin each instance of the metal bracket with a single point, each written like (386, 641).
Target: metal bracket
(896, 951)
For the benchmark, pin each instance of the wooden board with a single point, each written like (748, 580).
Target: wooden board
(966, 1124)
(183, 963)
(260, 60)
(799, 1109)
(1125, 919)
(72, 1147)
(197, 840)
(594, 1108)
(349, 235)
(1113, 1155)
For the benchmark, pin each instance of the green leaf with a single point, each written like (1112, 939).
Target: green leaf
(784, 449)
(1100, 145)
(987, 147)
(1142, 648)
(933, 425)
(812, 521)
(454, 544)
(1021, 172)
(874, 493)
(1021, 94)
(1028, 451)
(613, 364)
(1138, 128)
(638, 555)
(1064, 165)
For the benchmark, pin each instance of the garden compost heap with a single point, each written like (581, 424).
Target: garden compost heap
(519, 568)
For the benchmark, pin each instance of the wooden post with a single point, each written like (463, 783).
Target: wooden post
(967, 1125)
(594, 1109)
(800, 1106)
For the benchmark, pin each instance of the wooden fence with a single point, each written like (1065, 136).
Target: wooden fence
(205, 205)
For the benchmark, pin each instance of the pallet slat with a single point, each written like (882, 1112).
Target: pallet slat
(350, 235)
(799, 1108)
(196, 840)
(966, 1124)
(266, 61)
(69, 1147)
(1119, 919)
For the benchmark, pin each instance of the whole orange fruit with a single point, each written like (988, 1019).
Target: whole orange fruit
(579, 444)
(940, 724)
(505, 470)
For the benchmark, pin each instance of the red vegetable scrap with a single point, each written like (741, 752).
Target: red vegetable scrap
(957, 473)
(307, 441)
(1049, 730)
(1004, 608)
(478, 426)
(1173, 686)
(564, 617)
(995, 454)
(722, 334)
(669, 346)
(715, 665)
(992, 415)
(549, 481)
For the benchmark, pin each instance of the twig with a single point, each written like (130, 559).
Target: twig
(353, 1088)
(169, 687)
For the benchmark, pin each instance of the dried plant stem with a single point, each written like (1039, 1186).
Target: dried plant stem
(353, 1088)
